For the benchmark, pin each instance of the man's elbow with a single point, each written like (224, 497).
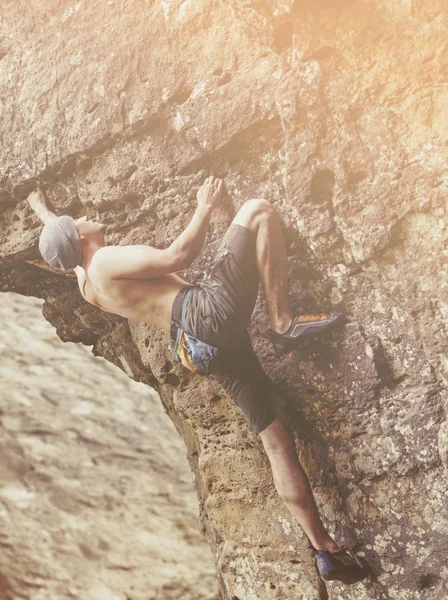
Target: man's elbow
(180, 259)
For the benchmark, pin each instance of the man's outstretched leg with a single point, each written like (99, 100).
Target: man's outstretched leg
(292, 484)
(287, 329)
(333, 562)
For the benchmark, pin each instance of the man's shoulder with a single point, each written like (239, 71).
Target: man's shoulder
(106, 261)
(109, 253)
(100, 265)
(105, 257)
(104, 253)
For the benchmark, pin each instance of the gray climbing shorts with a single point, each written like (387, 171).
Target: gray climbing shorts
(218, 311)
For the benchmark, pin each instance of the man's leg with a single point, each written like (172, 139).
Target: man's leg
(262, 218)
(292, 484)
(244, 380)
(247, 384)
(333, 562)
(286, 329)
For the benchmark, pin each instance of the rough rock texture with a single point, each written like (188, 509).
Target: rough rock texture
(336, 112)
(95, 491)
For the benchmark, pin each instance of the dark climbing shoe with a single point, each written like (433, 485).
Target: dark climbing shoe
(342, 565)
(302, 327)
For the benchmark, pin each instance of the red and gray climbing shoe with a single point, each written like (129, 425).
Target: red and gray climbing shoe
(342, 565)
(303, 327)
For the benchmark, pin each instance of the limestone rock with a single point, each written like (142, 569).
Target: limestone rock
(335, 112)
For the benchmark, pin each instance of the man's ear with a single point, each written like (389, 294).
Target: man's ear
(81, 236)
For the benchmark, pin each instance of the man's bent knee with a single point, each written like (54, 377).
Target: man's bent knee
(253, 212)
(258, 207)
(277, 437)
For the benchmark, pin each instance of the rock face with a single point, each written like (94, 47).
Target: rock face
(336, 113)
(95, 491)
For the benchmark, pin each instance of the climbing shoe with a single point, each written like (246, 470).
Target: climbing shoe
(342, 565)
(302, 327)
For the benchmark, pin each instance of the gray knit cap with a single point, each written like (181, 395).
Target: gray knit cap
(60, 245)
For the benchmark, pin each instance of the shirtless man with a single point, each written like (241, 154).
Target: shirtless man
(140, 283)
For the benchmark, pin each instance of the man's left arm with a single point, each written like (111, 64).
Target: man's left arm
(38, 203)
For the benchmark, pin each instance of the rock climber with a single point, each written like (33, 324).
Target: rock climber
(207, 324)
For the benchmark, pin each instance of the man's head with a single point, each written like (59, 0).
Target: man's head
(90, 230)
(62, 239)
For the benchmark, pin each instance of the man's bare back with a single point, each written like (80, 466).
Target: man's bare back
(137, 282)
